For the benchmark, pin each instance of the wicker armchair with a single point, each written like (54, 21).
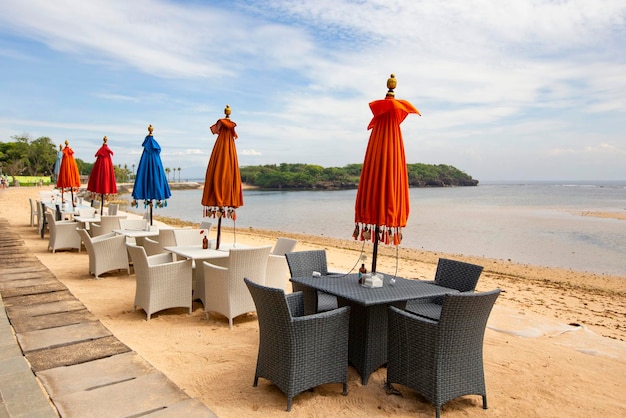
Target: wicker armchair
(277, 272)
(160, 282)
(303, 264)
(451, 274)
(33, 211)
(298, 352)
(107, 224)
(224, 289)
(106, 252)
(441, 360)
(63, 234)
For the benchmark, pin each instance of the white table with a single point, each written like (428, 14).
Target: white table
(199, 255)
(137, 233)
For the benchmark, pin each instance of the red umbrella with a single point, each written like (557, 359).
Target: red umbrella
(382, 200)
(102, 177)
(69, 177)
(222, 185)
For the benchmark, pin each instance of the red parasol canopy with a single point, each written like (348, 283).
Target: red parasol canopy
(69, 177)
(222, 186)
(382, 201)
(102, 178)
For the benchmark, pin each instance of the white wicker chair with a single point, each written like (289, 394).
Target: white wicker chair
(63, 234)
(33, 211)
(106, 252)
(160, 282)
(112, 208)
(107, 224)
(277, 273)
(224, 289)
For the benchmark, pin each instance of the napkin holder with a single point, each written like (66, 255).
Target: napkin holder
(372, 280)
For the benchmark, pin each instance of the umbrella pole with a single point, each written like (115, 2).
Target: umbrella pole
(219, 233)
(375, 252)
(150, 213)
(72, 196)
(101, 204)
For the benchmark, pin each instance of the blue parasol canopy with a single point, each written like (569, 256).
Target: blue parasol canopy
(57, 164)
(150, 181)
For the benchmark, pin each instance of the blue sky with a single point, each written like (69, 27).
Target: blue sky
(510, 90)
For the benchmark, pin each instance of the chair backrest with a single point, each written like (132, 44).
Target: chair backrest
(457, 275)
(304, 263)
(284, 246)
(206, 225)
(86, 238)
(134, 224)
(96, 204)
(187, 236)
(464, 318)
(248, 262)
(140, 259)
(271, 307)
(110, 222)
(113, 207)
(87, 212)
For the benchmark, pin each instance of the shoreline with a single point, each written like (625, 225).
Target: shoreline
(550, 328)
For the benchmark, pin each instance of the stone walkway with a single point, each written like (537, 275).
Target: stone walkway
(57, 359)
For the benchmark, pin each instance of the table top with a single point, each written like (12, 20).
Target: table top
(196, 252)
(347, 286)
(95, 218)
(137, 233)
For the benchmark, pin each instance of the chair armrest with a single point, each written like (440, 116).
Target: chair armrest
(214, 266)
(176, 270)
(157, 259)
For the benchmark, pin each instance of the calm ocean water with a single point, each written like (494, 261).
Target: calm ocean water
(536, 223)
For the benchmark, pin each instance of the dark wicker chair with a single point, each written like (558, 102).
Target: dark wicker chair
(297, 352)
(451, 274)
(303, 264)
(441, 360)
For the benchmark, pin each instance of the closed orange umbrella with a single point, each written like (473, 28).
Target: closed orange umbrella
(382, 200)
(222, 185)
(69, 177)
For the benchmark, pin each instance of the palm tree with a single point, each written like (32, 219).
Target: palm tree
(167, 171)
(179, 174)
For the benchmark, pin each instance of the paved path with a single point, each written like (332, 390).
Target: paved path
(57, 359)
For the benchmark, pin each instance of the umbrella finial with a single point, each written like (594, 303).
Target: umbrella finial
(227, 111)
(105, 139)
(150, 129)
(391, 84)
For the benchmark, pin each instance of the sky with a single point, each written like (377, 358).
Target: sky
(508, 90)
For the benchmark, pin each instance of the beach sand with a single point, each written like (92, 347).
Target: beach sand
(555, 344)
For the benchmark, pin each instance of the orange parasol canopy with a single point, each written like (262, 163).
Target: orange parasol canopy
(222, 185)
(69, 176)
(382, 201)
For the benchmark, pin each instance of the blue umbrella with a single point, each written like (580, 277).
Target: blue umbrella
(150, 181)
(57, 164)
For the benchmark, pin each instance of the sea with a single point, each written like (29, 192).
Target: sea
(539, 223)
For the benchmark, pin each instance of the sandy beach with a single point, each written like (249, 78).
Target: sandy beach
(555, 344)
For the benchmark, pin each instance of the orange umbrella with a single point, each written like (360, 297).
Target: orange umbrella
(382, 200)
(69, 177)
(222, 185)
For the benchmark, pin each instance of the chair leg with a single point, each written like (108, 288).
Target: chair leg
(484, 401)
(438, 412)
(289, 403)
(345, 389)
(256, 381)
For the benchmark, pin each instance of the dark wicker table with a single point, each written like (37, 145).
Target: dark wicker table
(368, 312)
